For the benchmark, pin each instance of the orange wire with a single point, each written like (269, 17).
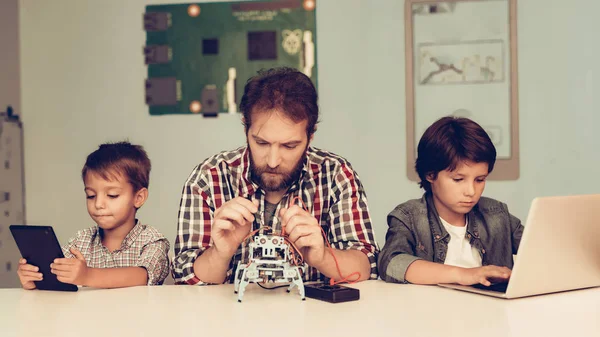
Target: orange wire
(296, 261)
(254, 232)
(337, 265)
(300, 260)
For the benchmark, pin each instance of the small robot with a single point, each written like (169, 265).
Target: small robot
(270, 260)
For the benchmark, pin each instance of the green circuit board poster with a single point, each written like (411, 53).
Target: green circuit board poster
(200, 55)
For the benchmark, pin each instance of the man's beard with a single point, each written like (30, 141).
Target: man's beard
(283, 180)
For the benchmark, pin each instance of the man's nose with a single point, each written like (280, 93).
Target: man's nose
(273, 157)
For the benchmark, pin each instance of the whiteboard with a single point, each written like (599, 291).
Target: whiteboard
(461, 61)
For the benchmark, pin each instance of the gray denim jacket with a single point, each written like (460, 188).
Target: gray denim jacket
(415, 232)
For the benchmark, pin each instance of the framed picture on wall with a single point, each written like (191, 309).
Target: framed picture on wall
(461, 60)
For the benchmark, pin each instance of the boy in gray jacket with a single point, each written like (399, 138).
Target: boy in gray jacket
(452, 234)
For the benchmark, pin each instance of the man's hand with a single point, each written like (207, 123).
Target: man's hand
(73, 271)
(304, 231)
(485, 275)
(231, 224)
(27, 274)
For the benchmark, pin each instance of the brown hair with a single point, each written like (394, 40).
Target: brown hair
(285, 89)
(120, 158)
(449, 141)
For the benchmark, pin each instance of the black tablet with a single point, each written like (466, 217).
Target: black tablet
(39, 246)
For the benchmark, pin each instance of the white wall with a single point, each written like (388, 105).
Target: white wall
(82, 84)
(10, 178)
(9, 55)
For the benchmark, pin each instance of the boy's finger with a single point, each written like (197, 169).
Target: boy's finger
(77, 254)
(28, 267)
(60, 273)
(31, 275)
(61, 267)
(65, 280)
(29, 286)
(22, 261)
(499, 273)
(65, 261)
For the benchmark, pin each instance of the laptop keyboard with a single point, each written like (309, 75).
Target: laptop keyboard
(497, 287)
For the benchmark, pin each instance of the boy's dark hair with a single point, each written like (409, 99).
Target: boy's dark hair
(120, 158)
(449, 141)
(285, 89)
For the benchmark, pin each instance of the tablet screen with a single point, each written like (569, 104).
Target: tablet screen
(39, 246)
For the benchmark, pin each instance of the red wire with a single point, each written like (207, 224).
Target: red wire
(296, 260)
(337, 265)
(300, 259)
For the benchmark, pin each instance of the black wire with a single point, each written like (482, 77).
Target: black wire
(271, 288)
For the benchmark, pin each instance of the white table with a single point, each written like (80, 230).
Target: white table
(383, 310)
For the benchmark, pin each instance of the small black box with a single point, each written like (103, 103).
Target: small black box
(332, 294)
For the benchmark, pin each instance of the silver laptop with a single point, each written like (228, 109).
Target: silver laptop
(559, 250)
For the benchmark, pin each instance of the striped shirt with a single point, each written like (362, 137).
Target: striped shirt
(143, 247)
(327, 185)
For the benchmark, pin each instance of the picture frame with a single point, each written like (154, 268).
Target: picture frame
(461, 60)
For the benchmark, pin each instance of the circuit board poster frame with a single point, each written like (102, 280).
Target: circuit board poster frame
(504, 84)
(200, 55)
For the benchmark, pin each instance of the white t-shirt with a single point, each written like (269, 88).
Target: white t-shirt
(460, 253)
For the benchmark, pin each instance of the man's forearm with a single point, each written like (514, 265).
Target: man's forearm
(116, 277)
(349, 261)
(211, 268)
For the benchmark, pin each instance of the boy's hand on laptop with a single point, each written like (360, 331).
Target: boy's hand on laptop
(27, 274)
(73, 270)
(485, 275)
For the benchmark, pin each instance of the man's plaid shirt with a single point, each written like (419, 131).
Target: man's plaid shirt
(143, 247)
(328, 186)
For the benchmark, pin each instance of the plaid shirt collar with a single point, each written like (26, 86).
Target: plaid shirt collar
(244, 165)
(127, 241)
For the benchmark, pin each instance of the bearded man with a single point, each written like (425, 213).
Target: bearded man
(277, 180)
